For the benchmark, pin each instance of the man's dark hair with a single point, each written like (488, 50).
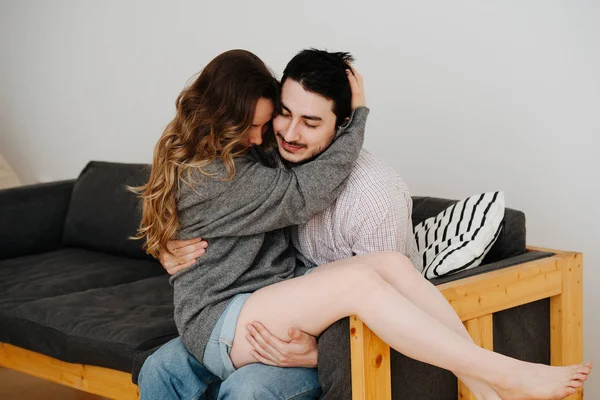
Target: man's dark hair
(323, 73)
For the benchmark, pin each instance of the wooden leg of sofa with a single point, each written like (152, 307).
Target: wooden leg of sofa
(566, 314)
(370, 358)
(482, 331)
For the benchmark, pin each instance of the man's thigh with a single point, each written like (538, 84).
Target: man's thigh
(173, 372)
(264, 382)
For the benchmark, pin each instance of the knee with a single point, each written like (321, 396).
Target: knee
(250, 386)
(393, 261)
(362, 278)
(262, 382)
(165, 361)
(376, 269)
(395, 258)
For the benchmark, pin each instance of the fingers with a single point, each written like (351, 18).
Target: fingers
(356, 86)
(179, 267)
(185, 254)
(357, 75)
(298, 335)
(294, 334)
(183, 251)
(266, 339)
(263, 350)
(262, 359)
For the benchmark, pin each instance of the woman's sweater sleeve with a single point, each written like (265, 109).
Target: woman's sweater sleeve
(260, 199)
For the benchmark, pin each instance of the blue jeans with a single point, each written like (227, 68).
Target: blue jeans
(173, 373)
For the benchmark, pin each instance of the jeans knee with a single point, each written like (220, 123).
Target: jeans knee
(263, 382)
(173, 373)
(150, 369)
(248, 388)
(165, 362)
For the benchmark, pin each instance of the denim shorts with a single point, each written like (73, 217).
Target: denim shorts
(216, 352)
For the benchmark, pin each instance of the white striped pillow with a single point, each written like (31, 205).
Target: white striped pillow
(458, 238)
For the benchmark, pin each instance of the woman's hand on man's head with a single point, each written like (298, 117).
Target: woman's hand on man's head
(356, 87)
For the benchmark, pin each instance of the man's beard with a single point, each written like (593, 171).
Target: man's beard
(308, 158)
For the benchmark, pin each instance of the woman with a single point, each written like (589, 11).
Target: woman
(226, 196)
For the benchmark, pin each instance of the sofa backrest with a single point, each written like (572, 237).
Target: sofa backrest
(510, 243)
(103, 214)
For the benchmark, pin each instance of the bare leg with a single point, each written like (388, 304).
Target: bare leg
(403, 276)
(409, 282)
(347, 287)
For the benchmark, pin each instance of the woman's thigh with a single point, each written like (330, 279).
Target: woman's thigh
(310, 303)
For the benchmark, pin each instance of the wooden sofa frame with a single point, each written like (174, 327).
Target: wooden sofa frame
(475, 299)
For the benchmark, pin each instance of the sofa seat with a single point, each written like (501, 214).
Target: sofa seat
(106, 326)
(68, 270)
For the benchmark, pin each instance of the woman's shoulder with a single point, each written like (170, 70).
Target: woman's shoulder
(212, 178)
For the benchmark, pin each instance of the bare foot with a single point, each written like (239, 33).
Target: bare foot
(538, 381)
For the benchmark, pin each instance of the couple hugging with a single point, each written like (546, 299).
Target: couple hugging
(276, 225)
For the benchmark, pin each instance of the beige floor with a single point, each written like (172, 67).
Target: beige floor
(17, 386)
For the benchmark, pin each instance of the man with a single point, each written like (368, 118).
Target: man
(373, 213)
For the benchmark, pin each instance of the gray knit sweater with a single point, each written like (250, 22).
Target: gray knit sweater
(244, 220)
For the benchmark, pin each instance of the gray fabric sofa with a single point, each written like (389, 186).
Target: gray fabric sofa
(74, 287)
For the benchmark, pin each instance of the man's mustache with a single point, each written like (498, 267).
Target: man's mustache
(291, 143)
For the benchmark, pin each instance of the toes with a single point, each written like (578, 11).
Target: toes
(575, 384)
(582, 368)
(580, 377)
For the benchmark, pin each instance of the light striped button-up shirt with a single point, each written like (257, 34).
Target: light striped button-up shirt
(373, 213)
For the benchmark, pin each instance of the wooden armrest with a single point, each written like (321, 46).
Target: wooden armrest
(475, 299)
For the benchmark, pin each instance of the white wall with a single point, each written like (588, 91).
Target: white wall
(465, 96)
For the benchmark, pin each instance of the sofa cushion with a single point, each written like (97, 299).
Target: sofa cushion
(510, 242)
(106, 327)
(459, 237)
(29, 278)
(103, 214)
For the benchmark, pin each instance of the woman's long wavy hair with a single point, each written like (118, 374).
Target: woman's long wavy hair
(213, 118)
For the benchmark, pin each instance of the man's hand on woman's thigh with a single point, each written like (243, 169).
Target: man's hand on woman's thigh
(300, 351)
